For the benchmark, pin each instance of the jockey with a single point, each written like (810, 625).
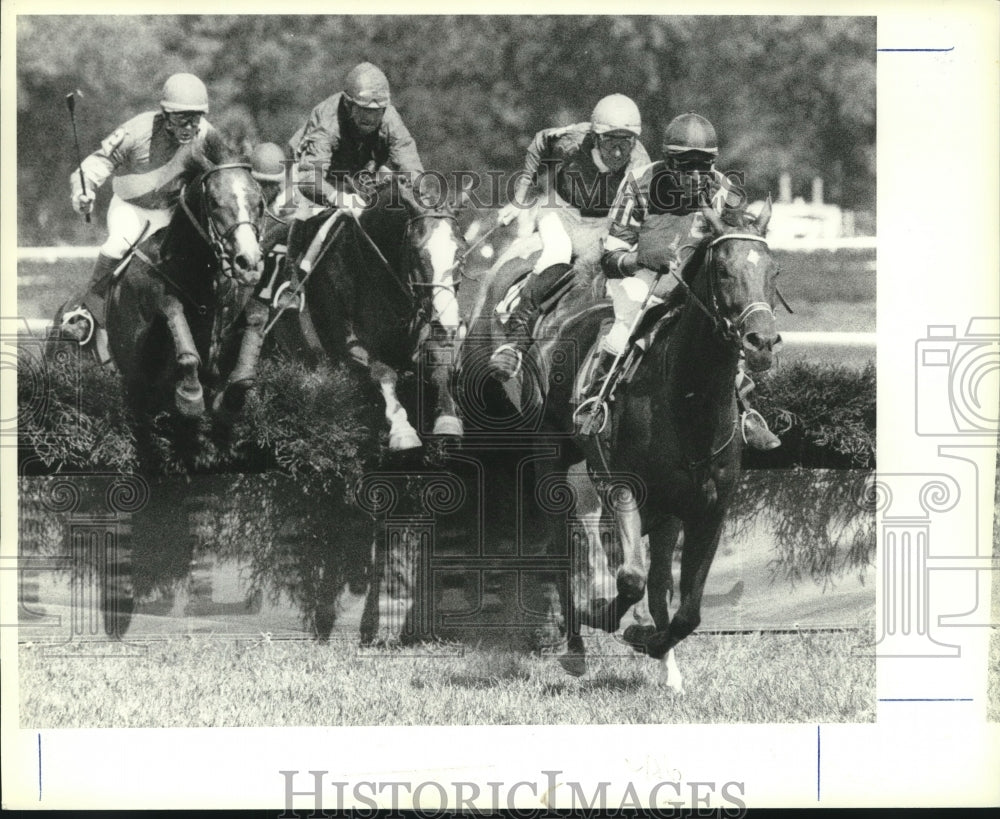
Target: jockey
(576, 170)
(676, 188)
(354, 131)
(271, 170)
(149, 160)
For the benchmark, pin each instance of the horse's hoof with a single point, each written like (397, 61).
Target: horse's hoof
(573, 663)
(670, 674)
(404, 441)
(638, 636)
(602, 615)
(657, 644)
(449, 426)
(190, 403)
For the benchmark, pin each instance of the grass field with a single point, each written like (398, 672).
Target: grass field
(200, 682)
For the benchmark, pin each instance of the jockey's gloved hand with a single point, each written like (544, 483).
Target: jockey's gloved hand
(657, 249)
(509, 212)
(82, 201)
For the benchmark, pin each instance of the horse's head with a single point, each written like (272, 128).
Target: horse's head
(227, 208)
(741, 287)
(434, 253)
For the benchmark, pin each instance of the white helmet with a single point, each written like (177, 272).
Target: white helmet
(616, 113)
(184, 92)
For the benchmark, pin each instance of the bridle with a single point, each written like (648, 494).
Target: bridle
(422, 303)
(727, 330)
(214, 237)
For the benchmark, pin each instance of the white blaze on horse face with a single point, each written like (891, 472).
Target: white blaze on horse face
(244, 239)
(753, 257)
(443, 250)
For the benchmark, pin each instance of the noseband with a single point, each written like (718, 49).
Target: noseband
(406, 235)
(726, 329)
(213, 237)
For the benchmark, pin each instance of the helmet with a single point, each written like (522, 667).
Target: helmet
(616, 113)
(266, 163)
(184, 92)
(367, 86)
(690, 132)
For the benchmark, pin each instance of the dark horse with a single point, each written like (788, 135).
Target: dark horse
(669, 457)
(385, 283)
(176, 316)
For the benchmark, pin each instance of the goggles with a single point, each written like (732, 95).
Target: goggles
(622, 142)
(184, 119)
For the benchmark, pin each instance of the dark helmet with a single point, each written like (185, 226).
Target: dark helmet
(690, 132)
(366, 86)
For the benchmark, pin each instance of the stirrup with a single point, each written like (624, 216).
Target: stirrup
(276, 300)
(591, 407)
(520, 360)
(86, 315)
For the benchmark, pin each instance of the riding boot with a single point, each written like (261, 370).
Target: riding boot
(753, 427)
(82, 323)
(506, 360)
(297, 245)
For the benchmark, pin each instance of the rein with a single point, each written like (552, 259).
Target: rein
(408, 289)
(724, 327)
(213, 237)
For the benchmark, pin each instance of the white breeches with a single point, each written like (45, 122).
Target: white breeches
(566, 235)
(627, 296)
(125, 224)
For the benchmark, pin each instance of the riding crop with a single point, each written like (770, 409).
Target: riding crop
(71, 104)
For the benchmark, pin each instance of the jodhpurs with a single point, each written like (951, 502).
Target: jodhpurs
(627, 296)
(566, 234)
(125, 224)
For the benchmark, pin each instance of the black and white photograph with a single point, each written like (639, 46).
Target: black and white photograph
(588, 410)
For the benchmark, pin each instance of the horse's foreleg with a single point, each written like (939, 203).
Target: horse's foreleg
(442, 362)
(244, 374)
(701, 539)
(662, 541)
(630, 580)
(188, 396)
(402, 435)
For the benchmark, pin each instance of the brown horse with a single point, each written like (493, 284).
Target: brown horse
(176, 317)
(386, 282)
(669, 457)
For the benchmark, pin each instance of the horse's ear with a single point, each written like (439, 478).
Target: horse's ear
(714, 221)
(763, 217)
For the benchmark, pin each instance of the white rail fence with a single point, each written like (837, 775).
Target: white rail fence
(51, 255)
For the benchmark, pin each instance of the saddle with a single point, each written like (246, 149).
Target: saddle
(657, 319)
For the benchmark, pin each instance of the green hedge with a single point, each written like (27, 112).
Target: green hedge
(823, 413)
(317, 427)
(314, 425)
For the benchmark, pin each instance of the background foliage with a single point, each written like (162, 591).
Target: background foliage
(792, 94)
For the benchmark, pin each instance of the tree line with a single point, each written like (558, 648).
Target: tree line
(786, 94)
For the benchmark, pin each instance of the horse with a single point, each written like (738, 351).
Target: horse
(381, 293)
(668, 457)
(178, 318)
